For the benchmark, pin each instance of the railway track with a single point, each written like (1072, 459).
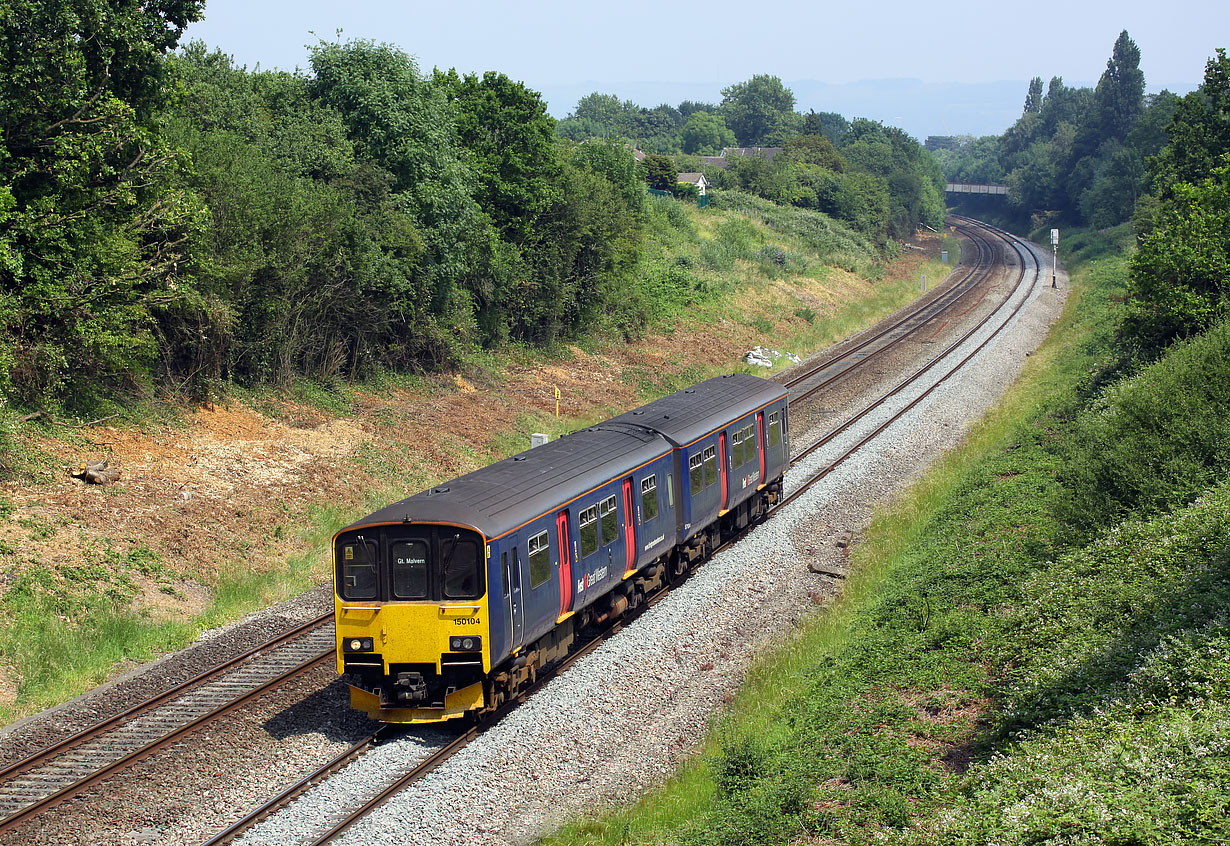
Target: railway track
(875, 344)
(60, 771)
(347, 819)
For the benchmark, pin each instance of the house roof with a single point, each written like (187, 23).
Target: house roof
(694, 178)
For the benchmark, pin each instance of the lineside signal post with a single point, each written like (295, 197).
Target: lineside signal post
(1054, 255)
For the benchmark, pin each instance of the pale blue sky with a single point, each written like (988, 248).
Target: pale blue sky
(560, 48)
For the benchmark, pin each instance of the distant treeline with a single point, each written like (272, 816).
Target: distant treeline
(876, 178)
(1077, 154)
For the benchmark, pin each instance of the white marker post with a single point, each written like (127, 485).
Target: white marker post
(1054, 255)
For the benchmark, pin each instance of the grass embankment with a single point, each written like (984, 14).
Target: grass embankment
(1034, 646)
(83, 591)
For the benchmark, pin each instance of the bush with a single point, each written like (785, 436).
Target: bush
(1155, 441)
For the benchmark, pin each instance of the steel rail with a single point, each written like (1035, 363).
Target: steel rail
(909, 321)
(820, 474)
(73, 776)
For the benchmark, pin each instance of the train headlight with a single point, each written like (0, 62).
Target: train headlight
(465, 643)
(357, 644)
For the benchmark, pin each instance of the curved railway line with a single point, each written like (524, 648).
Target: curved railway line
(916, 320)
(46, 779)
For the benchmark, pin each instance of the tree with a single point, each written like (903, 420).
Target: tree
(93, 232)
(505, 128)
(1200, 132)
(1033, 100)
(760, 111)
(660, 172)
(829, 124)
(1180, 281)
(1119, 97)
(705, 134)
(404, 125)
(816, 150)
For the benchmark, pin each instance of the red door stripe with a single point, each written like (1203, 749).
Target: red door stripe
(629, 527)
(565, 563)
(760, 442)
(722, 468)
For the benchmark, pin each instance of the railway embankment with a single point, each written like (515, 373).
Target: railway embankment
(1032, 644)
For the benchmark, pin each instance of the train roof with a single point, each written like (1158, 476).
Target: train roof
(503, 496)
(694, 412)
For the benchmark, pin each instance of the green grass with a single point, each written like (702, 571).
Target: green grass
(1085, 685)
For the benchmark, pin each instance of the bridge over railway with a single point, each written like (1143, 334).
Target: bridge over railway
(976, 188)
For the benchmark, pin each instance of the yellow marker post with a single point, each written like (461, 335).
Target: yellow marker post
(557, 401)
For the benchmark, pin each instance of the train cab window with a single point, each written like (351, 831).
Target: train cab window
(749, 443)
(711, 473)
(540, 560)
(610, 520)
(696, 474)
(775, 429)
(649, 498)
(588, 521)
(462, 574)
(736, 449)
(409, 569)
(358, 570)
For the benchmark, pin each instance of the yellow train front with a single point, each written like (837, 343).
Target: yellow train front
(411, 616)
(450, 602)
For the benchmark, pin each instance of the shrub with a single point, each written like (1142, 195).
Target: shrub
(1155, 441)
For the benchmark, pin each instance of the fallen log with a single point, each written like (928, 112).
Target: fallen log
(97, 472)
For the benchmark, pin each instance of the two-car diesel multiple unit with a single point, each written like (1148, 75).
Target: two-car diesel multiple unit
(450, 602)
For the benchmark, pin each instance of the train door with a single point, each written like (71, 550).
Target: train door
(512, 591)
(629, 526)
(760, 443)
(565, 563)
(722, 470)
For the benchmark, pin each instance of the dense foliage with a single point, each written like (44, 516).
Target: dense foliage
(177, 218)
(94, 230)
(874, 177)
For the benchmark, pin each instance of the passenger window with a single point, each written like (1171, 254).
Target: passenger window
(409, 567)
(589, 531)
(507, 575)
(649, 498)
(461, 569)
(736, 449)
(540, 560)
(670, 490)
(358, 570)
(749, 443)
(710, 465)
(610, 520)
(775, 429)
(696, 473)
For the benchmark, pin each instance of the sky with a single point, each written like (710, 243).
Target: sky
(962, 56)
